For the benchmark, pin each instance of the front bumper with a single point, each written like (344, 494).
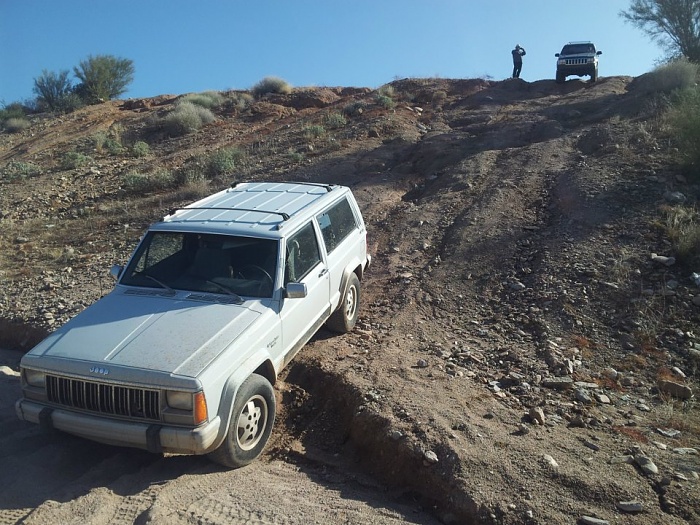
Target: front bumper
(153, 437)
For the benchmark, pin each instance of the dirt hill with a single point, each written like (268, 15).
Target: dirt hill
(527, 350)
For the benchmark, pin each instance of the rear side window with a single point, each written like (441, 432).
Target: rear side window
(336, 224)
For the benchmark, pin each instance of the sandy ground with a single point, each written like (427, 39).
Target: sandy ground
(58, 478)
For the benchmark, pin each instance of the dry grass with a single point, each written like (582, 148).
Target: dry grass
(632, 433)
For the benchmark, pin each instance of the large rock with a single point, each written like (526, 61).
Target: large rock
(675, 389)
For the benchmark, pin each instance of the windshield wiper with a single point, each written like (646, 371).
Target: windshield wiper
(157, 281)
(224, 289)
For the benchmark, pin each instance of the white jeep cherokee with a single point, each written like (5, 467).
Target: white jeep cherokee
(216, 299)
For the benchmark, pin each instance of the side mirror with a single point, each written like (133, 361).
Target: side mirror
(556, 54)
(115, 271)
(599, 53)
(295, 291)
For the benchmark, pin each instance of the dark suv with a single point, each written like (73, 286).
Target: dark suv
(577, 58)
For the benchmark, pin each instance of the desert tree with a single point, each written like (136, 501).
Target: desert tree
(103, 77)
(54, 91)
(674, 24)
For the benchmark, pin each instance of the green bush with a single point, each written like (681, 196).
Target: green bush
(109, 141)
(385, 101)
(224, 161)
(208, 99)
(74, 159)
(684, 120)
(14, 110)
(354, 109)
(134, 182)
(140, 149)
(271, 85)
(238, 101)
(679, 74)
(314, 131)
(335, 120)
(186, 118)
(54, 91)
(15, 125)
(103, 77)
(15, 169)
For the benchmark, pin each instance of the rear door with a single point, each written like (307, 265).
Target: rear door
(343, 240)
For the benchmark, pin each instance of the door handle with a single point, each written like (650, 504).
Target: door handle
(323, 272)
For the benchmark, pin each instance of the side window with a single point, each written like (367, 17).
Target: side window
(336, 224)
(302, 254)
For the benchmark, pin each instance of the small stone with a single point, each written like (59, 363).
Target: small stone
(430, 457)
(646, 464)
(678, 372)
(588, 520)
(669, 432)
(549, 460)
(591, 445)
(395, 435)
(659, 445)
(537, 415)
(558, 383)
(582, 396)
(622, 459)
(422, 363)
(685, 451)
(610, 373)
(602, 398)
(629, 506)
(661, 259)
(523, 429)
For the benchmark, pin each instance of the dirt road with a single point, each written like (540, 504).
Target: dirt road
(57, 478)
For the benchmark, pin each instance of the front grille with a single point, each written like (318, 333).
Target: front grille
(102, 398)
(576, 61)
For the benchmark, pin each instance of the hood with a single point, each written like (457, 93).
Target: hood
(168, 334)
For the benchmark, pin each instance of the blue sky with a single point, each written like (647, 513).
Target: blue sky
(180, 46)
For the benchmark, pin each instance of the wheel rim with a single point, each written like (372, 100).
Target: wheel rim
(252, 422)
(350, 302)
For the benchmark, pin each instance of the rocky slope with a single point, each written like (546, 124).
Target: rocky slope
(527, 350)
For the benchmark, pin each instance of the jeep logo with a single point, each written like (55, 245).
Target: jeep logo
(99, 370)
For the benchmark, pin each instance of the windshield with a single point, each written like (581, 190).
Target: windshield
(224, 264)
(577, 49)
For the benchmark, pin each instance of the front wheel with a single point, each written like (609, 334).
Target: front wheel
(251, 423)
(560, 78)
(594, 75)
(344, 318)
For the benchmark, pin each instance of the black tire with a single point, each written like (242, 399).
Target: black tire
(560, 78)
(344, 318)
(252, 418)
(594, 75)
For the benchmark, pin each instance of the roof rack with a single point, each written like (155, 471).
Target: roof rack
(285, 216)
(328, 187)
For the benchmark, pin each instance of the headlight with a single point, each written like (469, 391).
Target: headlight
(180, 400)
(195, 403)
(561, 62)
(35, 378)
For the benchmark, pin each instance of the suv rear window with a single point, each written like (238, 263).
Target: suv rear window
(336, 224)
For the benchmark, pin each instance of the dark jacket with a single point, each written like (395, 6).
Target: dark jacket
(518, 54)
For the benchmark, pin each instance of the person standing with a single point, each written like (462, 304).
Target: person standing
(518, 54)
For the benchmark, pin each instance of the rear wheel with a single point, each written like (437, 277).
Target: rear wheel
(251, 423)
(344, 318)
